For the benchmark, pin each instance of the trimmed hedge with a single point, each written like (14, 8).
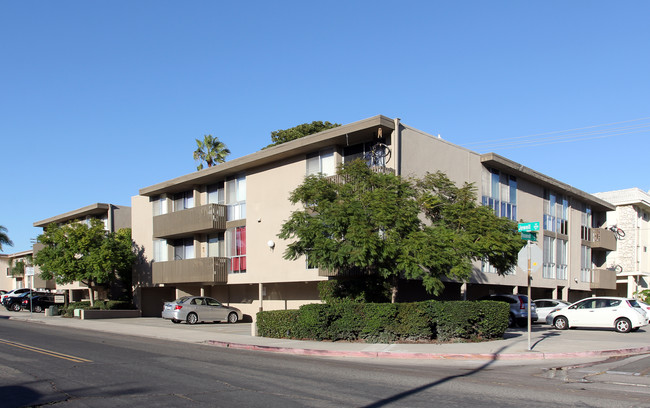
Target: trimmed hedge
(387, 322)
(99, 305)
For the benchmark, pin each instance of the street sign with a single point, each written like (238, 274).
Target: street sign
(528, 226)
(529, 236)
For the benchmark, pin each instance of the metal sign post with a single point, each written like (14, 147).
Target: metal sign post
(529, 233)
(529, 298)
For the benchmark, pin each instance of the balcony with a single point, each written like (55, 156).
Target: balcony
(604, 239)
(197, 270)
(603, 279)
(197, 220)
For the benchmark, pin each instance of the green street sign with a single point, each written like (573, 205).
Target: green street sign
(529, 236)
(528, 226)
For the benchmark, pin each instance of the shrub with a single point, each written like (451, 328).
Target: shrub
(386, 322)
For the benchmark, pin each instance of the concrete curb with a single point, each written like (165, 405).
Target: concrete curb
(532, 355)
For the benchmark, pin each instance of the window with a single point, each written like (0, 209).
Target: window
(183, 201)
(486, 267)
(585, 223)
(585, 263)
(216, 194)
(363, 151)
(159, 250)
(308, 264)
(321, 162)
(216, 245)
(159, 205)
(236, 198)
(184, 249)
(548, 270)
(237, 249)
(499, 192)
(561, 259)
(556, 212)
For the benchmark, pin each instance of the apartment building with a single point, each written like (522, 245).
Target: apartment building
(631, 221)
(17, 271)
(214, 232)
(113, 216)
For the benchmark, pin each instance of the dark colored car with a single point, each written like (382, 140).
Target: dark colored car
(14, 303)
(39, 302)
(518, 308)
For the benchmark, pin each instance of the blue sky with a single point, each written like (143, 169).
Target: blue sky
(99, 99)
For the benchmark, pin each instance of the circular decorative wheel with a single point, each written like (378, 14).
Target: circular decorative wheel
(622, 325)
(38, 309)
(561, 323)
(15, 307)
(192, 318)
(232, 318)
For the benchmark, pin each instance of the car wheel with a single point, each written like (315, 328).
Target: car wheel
(561, 323)
(192, 318)
(15, 307)
(511, 320)
(623, 325)
(38, 309)
(176, 321)
(232, 317)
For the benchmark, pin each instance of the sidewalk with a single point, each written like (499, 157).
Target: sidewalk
(546, 343)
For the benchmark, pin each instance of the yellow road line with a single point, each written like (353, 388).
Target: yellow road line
(46, 352)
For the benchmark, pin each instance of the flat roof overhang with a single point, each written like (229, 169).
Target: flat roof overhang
(516, 169)
(345, 135)
(93, 209)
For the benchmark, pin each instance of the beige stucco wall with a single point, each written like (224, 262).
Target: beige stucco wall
(267, 207)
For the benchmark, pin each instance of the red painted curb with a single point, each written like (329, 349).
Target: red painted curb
(429, 356)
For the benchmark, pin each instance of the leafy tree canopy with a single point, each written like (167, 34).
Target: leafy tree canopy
(296, 132)
(85, 253)
(4, 238)
(211, 151)
(383, 225)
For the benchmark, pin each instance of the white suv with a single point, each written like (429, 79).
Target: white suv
(619, 313)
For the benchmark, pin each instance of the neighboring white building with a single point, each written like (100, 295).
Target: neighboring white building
(631, 258)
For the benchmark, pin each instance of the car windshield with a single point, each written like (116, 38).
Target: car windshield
(182, 299)
(633, 303)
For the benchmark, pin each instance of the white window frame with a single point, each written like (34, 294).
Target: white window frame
(323, 162)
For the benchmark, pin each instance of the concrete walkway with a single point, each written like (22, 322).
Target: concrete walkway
(546, 342)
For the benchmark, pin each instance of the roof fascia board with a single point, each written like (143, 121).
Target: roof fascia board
(97, 208)
(500, 162)
(268, 155)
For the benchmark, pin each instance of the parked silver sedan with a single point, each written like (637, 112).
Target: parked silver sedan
(193, 309)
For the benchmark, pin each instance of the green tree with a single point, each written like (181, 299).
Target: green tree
(4, 238)
(296, 132)
(85, 253)
(382, 225)
(17, 268)
(211, 151)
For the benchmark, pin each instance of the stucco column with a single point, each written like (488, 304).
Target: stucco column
(260, 287)
(463, 291)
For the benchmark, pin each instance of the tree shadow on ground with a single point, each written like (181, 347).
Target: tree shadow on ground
(405, 394)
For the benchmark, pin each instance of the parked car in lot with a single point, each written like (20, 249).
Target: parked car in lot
(546, 306)
(14, 303)
(14, 292)
(619, 313)
(39, 302)
(518, 308)
(645, 307)
(193, 309)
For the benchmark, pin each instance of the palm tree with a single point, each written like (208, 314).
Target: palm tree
(4, 238)
(211, 151)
